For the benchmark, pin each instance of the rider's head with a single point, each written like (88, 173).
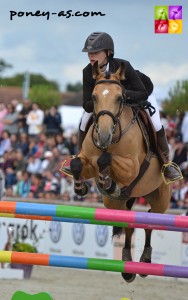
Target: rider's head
(100, 47)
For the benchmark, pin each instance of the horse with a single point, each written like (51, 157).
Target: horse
(113, 153)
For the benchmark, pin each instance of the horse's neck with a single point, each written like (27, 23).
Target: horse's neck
(126, 115)
(133, 133)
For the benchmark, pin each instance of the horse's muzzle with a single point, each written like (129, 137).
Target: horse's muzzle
(104, 139)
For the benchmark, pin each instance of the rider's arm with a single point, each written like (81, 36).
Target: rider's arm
(136, 91)
(88, 86)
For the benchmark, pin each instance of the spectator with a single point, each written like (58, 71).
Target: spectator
(5, 143)
(14, 141)
(24, 113)
(37, 186)
(24, 185)
(180, 154)
(57, 159)
(19, 163)
(45, 165)
(34, 120)
(51, 183)
(52, 121)
(3, 112)
(184, 128)
(23, 144)
(10, 120)
(6, 161)
(67, 185)
(10, 178)
(61, 142)
(34, 165)
(41, 146)
(65, 197)
(50, 143)
(73, 144)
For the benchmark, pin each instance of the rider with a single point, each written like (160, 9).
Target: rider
(138, 86)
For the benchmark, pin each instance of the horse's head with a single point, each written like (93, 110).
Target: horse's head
(108, 98)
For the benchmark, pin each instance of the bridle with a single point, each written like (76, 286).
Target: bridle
(115, 118)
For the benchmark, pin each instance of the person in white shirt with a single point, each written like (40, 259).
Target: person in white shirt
(184, 128)
(35, 120)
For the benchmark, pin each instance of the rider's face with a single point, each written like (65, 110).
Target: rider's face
(99, 56)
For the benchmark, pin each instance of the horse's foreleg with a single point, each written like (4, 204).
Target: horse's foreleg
(105, 181)
(80, 187)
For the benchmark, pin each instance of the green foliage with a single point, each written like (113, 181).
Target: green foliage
(35, 79)
(178, 98)
(4, 65)
(24, 247)
(77, 87)
(45, 95)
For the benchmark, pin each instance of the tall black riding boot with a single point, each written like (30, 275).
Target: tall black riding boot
(81, 136)
(170, 171)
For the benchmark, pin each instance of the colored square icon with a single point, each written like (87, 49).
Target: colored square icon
(161, 26)
(161, 12)
(175, 26)
(175, 12)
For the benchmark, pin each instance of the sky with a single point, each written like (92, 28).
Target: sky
(53, 47)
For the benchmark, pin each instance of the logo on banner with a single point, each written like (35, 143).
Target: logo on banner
(55, 231)
(78, 233)
(101, 235)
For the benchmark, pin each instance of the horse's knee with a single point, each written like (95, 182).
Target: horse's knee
(76, 167)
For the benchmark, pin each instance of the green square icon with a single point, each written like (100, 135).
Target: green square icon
(161, 12)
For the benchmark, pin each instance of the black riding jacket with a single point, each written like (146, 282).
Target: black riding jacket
(134, 88)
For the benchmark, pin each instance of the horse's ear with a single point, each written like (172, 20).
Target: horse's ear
(96, 72)
(120, 73)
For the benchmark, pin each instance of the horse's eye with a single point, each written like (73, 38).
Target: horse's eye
(119, 99)
(93, 98)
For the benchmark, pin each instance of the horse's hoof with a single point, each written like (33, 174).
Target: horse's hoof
(84, 190)
(146, 258)
(128, 277)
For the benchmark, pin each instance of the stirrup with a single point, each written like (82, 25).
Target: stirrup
(175, 166)
(65, 164)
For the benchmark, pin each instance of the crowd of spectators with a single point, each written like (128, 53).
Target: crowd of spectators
(33, 146)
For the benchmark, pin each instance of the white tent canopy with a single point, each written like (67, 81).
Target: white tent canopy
(71, 116)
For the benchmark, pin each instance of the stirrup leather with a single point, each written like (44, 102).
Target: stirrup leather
(65, 164)
(175, 166)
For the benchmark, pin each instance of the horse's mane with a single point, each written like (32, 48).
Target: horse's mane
(107, 75)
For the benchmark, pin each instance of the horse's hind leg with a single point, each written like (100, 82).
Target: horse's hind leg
(147, 252)
(126, 254)
(126, 251)
(159, 201)
(80, 187)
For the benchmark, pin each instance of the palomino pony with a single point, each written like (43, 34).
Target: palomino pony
(113, 153)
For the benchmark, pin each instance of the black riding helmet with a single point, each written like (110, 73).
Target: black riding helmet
(98, 41)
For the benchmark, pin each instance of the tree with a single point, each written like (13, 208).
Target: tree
(177, 100)
(35, 79)
(76, 87)
(4, 66)
(45, 95)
